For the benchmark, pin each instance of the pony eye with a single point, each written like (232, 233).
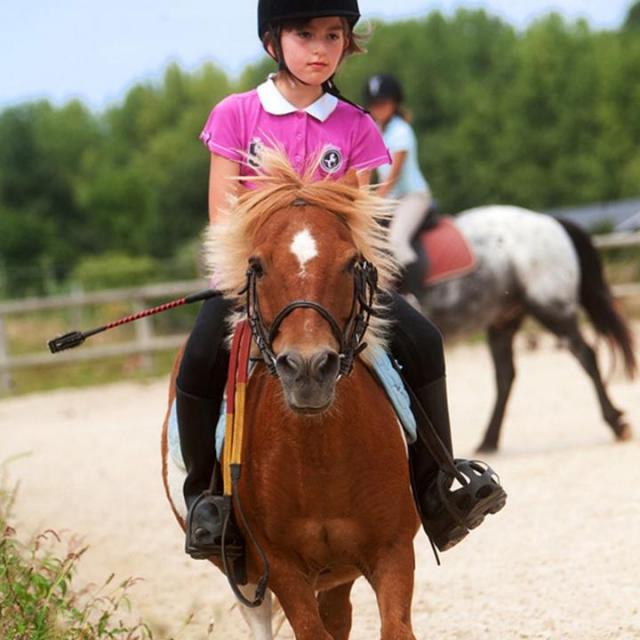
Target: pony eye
(351, 265)
(256, 266)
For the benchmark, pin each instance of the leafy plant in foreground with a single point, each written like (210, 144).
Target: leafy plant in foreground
(38, 597)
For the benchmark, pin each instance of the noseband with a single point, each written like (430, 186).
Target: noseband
(349, 338)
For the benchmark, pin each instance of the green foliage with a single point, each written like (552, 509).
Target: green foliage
(113, 270)
(542, 118)
(536, 119)
(602, 228)
(38, 596)
(633, 17)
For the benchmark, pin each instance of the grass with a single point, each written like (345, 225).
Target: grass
(39, 598)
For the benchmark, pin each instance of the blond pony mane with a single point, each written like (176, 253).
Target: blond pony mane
(229, 242)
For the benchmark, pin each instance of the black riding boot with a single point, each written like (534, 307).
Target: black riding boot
(207, 508)
(448, 512)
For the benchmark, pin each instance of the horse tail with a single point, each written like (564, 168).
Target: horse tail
(597, 299)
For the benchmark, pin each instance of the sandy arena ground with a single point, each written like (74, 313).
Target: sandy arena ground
(561, 561)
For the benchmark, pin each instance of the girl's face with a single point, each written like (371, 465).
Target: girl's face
(382, 111)
(313, 51)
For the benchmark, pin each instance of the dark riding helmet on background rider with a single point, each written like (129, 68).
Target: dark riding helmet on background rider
(382, 86)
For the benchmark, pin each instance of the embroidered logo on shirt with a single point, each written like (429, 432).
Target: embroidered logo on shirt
(254, 152)
(331, 159)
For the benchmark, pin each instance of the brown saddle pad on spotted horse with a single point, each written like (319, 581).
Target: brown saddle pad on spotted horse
(443, 251)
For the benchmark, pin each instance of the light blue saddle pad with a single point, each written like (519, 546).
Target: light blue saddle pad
(386, 374)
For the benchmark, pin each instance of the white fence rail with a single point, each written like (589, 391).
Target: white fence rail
(617, 240)
(146, 342)
(620, 241)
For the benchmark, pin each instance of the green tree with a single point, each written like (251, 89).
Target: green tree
(41, 150)
(540, 118)
(632, 20)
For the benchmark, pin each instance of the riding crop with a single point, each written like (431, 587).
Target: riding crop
(76, 338)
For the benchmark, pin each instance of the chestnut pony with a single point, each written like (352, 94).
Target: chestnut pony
(325, 482)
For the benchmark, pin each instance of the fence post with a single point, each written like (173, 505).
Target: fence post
(77, 309)
(144, 335)
(6, 383)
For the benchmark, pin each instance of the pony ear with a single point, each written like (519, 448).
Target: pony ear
(351, 179)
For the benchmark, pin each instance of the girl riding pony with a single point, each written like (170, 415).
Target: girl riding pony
(300, 110)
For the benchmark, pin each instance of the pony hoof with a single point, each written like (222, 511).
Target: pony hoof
(625, 433)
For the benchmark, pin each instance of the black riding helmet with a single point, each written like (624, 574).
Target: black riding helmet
(274, 12)
(382, 86)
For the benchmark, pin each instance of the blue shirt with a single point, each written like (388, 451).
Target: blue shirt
(399, 136)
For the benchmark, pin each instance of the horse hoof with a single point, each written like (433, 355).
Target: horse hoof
(624, 433)
(487, 448)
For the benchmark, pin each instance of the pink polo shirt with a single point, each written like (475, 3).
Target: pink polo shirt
(342, 136)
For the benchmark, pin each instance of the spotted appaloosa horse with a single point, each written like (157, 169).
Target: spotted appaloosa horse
(530, 264)
(325, 484)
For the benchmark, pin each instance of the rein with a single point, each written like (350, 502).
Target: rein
(350, 338)
(232, 457)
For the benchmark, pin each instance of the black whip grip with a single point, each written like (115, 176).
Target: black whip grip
(202, 295)
(67, 341)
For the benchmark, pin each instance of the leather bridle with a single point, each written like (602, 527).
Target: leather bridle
(349, 338)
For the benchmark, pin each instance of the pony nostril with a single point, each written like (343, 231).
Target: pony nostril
(289, 364)
(325, 365)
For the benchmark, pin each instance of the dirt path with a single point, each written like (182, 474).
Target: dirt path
(561, 561)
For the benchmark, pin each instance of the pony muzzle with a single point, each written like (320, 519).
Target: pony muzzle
(309, 382)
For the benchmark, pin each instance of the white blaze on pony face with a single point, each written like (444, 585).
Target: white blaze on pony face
(304, 248)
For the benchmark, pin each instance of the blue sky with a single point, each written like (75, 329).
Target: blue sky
(96, 50)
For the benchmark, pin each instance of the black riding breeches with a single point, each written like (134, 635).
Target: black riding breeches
(415, 343)
(203, 370)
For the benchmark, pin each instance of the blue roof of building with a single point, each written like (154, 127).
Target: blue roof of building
(623, 215)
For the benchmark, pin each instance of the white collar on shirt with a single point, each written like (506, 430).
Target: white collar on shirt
(276, 104)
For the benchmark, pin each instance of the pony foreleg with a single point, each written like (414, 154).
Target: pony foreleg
(298, 600)
(335, 610)
(392, 580)
(501, 347)
(258, 619)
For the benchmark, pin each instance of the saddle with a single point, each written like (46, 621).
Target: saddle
(443, 251)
